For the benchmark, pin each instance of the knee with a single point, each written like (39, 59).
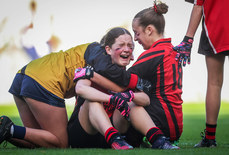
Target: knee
(218, 82)
(94, 105)
(63, 143)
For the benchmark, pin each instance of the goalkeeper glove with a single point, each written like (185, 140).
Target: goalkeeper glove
(119, 101)
(184, 50)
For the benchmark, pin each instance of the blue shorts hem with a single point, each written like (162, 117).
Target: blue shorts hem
(25, 86)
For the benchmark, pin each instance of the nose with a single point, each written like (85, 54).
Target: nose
(135, 38)
(132, 57)
(127, 48)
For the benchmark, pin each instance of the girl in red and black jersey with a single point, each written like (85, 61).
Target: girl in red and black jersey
(158, 65)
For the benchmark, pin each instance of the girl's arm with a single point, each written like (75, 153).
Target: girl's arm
(141, 99)
(195, 19)
(106, 84)
(83, 88)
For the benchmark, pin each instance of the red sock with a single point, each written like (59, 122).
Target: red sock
(110, 134)
(210, 131)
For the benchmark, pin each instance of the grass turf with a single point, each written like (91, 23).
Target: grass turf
(194, 123)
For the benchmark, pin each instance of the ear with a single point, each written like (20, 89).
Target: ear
(108, 50)
(150, 29)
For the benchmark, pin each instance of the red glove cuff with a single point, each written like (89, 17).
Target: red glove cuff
(133, 81)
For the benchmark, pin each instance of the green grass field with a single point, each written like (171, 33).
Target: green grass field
(194, 123)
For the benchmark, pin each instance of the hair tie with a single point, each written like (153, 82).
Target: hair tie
(155, 6)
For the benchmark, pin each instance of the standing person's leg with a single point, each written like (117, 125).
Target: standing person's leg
(215, 67)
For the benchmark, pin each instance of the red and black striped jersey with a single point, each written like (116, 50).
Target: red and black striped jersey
(159, 66)
(215, 23)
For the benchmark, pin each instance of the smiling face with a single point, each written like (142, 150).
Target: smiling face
(140, 35)
(121, 51)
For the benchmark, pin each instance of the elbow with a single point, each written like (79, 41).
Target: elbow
(147, 103)
(146, 100)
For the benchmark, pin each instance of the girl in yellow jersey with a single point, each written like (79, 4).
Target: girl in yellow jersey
(39, 90)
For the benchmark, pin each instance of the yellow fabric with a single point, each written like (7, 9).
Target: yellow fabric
(55, 72)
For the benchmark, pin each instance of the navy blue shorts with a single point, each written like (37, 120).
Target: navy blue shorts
(25, 86)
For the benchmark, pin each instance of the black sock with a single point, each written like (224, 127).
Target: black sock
(153, 133)
(19, 132)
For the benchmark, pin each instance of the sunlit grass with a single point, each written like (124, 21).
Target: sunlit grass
(194, 123)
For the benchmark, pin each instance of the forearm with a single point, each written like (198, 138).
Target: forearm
(105, 83)
(83, 88)
(194, 22)
(141, 99)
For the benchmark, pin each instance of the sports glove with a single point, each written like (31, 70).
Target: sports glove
(119, 101)
(83, 73)
(184, 50)
(128, 96)
(144, 85)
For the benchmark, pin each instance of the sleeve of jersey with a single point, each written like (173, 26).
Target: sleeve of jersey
(198, 2)
(113, 72)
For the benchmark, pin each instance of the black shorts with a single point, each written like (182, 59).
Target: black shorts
(78, 138)
(25, 86)
(204, 45)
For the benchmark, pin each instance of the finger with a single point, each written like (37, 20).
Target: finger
(184, 61)
(177, 56)
(189, 60)
(180, 60)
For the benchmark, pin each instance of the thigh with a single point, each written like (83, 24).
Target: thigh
(85, 120)
(50, 118)
(25, 113)
(79, 138)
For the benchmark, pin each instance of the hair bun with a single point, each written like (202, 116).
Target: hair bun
(160, 8)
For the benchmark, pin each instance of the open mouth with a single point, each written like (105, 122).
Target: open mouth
(124, 56)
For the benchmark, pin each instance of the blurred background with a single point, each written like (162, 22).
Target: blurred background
(30, 29)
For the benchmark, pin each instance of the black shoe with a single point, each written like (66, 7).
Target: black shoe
(163, 143)
(206, 142)
(120, 144)
(5, 124)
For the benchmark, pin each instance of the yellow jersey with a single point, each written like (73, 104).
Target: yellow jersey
(55, 71)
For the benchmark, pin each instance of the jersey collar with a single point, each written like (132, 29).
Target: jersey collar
(161, 41)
